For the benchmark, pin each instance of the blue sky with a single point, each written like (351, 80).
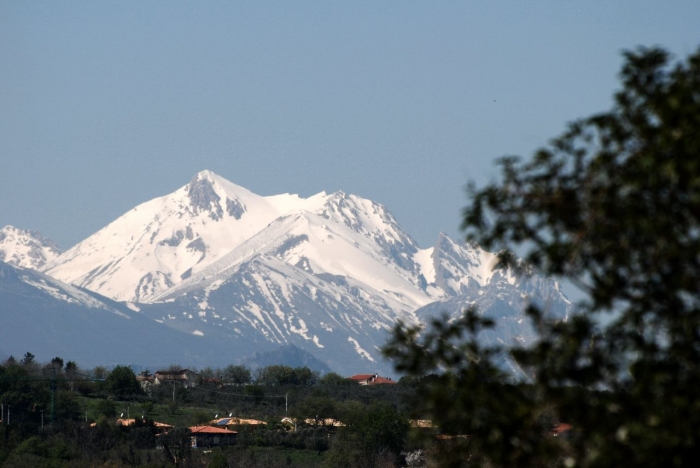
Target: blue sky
(104, 105)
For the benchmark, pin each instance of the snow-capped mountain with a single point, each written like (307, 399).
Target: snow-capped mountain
(161, 242)
(26, 249)
(331, 273)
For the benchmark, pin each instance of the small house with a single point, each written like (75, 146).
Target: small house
(184, 377)
(371, 379)
(208, 436)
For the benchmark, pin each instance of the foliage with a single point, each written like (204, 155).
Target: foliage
(613, 206)
(285, 375)
(316, 409)
(67, 406)
(28, 359)
(332, 378)
(371, 435)
(69, 440)
(22, 392)
(100, 372)
(147, 408)
(177, 444)
(106, 408)
(237, 374)
(122, 383)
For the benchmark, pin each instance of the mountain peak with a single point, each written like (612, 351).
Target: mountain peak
(206, 174)
(25, 248)
(203, 196)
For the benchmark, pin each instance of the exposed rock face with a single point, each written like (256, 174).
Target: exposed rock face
(331, 273)
(235, 208)
(203, 197)
(26, 249)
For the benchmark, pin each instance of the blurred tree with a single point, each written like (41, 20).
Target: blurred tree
(237, 374)
(207, 373)
(100, 372)
(256, 391)
(147, 408)
(177, 445)
(122, 383)
(304, 376)
(332, 378)
(284, 375)
(67, 406)
(373, 435)
(105, 408)
(274, 375)
(57, 363)
(24, 394)
(317, 410)
(28, 360)
(613, 206)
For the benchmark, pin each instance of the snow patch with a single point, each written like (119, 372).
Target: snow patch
(359, 350)
(424, 259)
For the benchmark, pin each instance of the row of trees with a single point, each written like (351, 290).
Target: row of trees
(121, 383)
(374, 419)
(273, 375)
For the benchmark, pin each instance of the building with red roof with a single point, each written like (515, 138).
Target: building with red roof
(208, 436)
(371, 379)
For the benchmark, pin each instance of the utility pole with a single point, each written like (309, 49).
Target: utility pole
(285, 404)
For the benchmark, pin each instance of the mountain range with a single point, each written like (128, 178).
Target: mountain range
(212, 273)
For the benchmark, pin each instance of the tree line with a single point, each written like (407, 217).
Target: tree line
(60, 414)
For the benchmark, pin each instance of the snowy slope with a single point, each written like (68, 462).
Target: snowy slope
(312, 244)
(331, 274)
(159, 243)
(296, 282)
(26, 249)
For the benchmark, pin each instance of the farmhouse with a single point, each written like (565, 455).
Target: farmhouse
(184, 377)
(207, 436)
(371, 379)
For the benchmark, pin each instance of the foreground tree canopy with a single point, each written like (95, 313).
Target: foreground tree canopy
(613, 206)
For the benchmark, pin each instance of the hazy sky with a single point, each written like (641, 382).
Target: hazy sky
(105, 105)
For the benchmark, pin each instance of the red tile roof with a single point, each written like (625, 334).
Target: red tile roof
(210, 430)
(362, 376)
(381, 380)
(561, 427)
(372, 379)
